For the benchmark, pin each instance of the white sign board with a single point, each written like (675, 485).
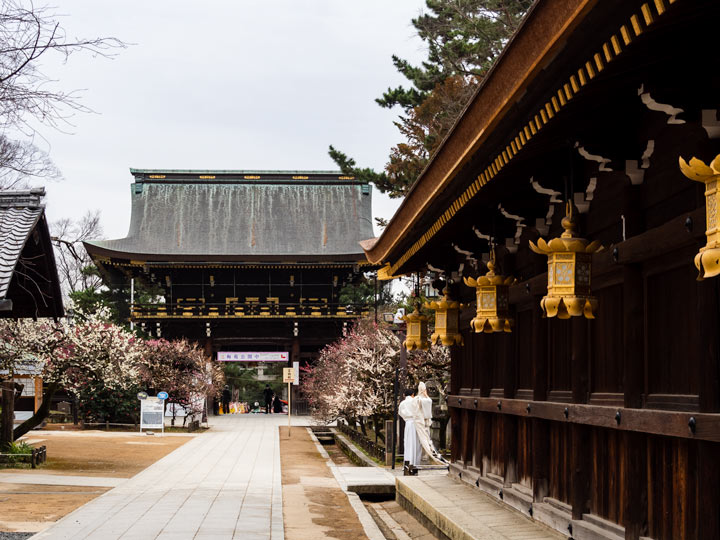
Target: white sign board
(288, 375)
(296, 369)
(151, 413)
(239, 356)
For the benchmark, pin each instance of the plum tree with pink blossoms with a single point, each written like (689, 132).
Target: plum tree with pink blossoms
(182, 370)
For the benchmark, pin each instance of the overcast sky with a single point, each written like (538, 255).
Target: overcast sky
(232, 84)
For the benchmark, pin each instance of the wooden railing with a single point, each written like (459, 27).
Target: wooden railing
(201, 309)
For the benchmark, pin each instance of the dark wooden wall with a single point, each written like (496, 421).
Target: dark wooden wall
(593, 418)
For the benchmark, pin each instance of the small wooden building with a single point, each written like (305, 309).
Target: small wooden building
(600, 427)
(29, 282)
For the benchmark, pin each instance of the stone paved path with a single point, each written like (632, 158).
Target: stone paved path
(224, 484)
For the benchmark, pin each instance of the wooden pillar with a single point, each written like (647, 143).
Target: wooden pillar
(539, 352)
(581, 465)
(709, 337)
(540, 459)
(38, 382)
(580, 364)
(509, 351)
(708, 462)
(455, 450)
(486, 361)
(635, 511)
(634, 341)
(708, 490)
(7, 389)
(635, 444)
(455, 368)
(580, 434)
(510, 430)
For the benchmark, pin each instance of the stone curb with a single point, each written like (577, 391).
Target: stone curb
(354, 453)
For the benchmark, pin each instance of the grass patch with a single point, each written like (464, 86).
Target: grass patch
(17, 455)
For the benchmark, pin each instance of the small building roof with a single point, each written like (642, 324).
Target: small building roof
(186, 215)
(29, 283)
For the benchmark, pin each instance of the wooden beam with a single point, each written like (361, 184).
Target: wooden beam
(654, 421)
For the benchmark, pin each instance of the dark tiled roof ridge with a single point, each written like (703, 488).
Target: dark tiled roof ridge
(22, 198)
(230, 171)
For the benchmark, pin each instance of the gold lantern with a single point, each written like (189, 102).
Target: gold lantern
(447, 321)
(417, 328)
(493, 301)
(569, 269)
(707, 260)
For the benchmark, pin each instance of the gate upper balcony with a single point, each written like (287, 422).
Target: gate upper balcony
(233, 308)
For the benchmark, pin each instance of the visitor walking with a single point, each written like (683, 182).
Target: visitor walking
(226, 399)
(268, 395)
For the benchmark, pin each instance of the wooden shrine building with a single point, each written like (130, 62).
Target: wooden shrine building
(245, 260)
(29, 288)
(29, 282)
(587, 391)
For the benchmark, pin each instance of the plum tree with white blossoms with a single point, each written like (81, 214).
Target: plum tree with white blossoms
(353, 377)
(102, 364)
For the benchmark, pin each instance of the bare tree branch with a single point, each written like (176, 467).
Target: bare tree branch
(27, 95)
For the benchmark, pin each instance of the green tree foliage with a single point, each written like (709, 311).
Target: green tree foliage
(244, 378)
(363, 292)
(463, 38)
(116, 299)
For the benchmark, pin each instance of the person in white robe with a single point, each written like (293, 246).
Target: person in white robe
(422, 416)
(408, 412)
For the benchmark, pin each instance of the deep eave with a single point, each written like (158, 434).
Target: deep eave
(98, 252)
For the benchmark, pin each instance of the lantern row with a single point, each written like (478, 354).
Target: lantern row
(569, 292)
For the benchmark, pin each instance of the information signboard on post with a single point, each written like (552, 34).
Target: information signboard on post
(151, 413)
(289, 378)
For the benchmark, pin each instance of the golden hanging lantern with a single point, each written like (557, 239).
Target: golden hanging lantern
(447, 320)
(569, 270)
(493, 301)
(417, 330)
(707, 261)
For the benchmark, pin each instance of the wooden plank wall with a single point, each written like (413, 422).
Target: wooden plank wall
(653, 344)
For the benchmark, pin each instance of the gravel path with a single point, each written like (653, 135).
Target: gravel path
(14, 535)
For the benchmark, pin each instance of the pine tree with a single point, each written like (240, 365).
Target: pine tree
(464, 37)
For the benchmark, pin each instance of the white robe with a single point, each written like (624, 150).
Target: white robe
(423, 420)
(413, 451)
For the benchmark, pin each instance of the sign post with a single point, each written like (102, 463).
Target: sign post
(151, 413)
(289, 378)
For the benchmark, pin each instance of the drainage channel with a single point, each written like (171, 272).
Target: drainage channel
(394, 522)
